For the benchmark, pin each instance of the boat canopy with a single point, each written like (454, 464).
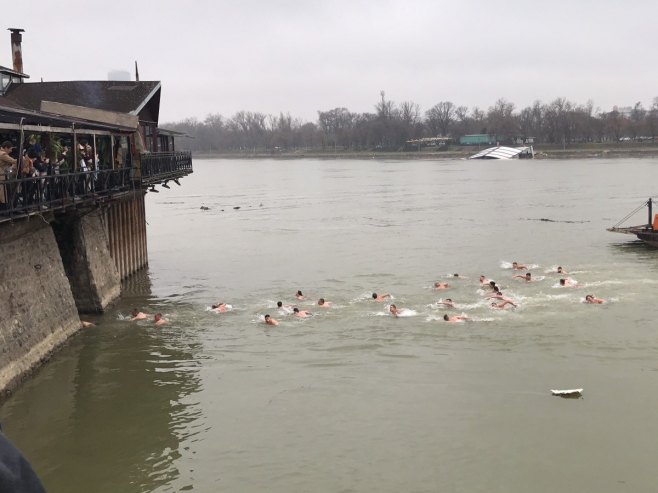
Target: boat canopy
(501, 152)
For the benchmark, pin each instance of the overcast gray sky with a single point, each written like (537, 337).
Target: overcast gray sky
(301, 56)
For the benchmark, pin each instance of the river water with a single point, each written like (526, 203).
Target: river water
(352, 399)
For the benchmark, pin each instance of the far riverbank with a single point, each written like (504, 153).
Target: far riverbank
(582, 151)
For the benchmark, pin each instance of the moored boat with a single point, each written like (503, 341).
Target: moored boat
(502, 152)
(648, 232)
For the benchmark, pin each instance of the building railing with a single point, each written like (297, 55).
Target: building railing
(33, 194)
(160, 166)
(38, 193)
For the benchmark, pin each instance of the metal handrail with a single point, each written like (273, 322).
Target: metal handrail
(56, 191)
(158, 166)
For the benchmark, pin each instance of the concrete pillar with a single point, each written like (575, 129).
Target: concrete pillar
(122, 239)
(145, 254)
(134, 239)
(83, 245)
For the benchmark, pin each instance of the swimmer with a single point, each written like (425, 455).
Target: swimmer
(455, 318)
(137, 315)
(219, 308)
(159, 320)
(594, 301)
(456, 275)
(380, 297)
(270, 321)
(395, 311)
(517, 266)
(299, 295)
(498, 295)
(568, 283)
(301, 313)
(447, 302)
(324, 303)
(561, 271)
(527, 277)
(441, 285)
(86, 325)
(502, 305)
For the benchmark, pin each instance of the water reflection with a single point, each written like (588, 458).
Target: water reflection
(117, 404)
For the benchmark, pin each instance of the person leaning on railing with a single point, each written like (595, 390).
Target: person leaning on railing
(7, 165)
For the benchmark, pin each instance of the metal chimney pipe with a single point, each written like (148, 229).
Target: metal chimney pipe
(16, 50)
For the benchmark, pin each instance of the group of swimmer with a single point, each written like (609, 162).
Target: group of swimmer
(498, 301)
(564, 282)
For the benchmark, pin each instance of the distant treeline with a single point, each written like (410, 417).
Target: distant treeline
(392, 124)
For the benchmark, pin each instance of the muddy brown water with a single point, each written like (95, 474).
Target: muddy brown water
(352, 399)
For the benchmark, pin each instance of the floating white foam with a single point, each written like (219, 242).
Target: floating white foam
(567, 392)
(406, 312)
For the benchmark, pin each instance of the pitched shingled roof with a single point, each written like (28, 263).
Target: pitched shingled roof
(118, 96)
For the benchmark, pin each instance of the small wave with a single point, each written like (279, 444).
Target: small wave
(609, 282)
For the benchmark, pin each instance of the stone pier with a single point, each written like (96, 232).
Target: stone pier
(37, 306)
(57, 265)
(83, 246)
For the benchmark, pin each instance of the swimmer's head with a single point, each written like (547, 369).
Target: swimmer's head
(455, 275)
(446, 317)
(437, 284)
(493, 304)
(393, 307)
(296, 310)
(563, 282)
(482, 278)
(492, 283)
(214, 306)
(157, 316)
(589, 297)
(374, 296)
(299, 293)
(135, 312)
(449, 299)
(515, 264)
(527, 275)
(321, 301)
(267, 317)
(279, 304)
(559, 270)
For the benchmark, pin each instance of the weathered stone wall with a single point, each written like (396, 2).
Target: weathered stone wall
(83, 244)
(37, 309)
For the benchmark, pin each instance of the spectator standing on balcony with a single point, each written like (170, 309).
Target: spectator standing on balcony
(41, 169)
(29, 188)
(7, 165)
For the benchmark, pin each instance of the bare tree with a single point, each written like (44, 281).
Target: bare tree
(500, 119)
(440, 118)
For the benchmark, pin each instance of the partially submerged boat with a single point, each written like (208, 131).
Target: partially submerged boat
(648, 232)
(502, 152)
